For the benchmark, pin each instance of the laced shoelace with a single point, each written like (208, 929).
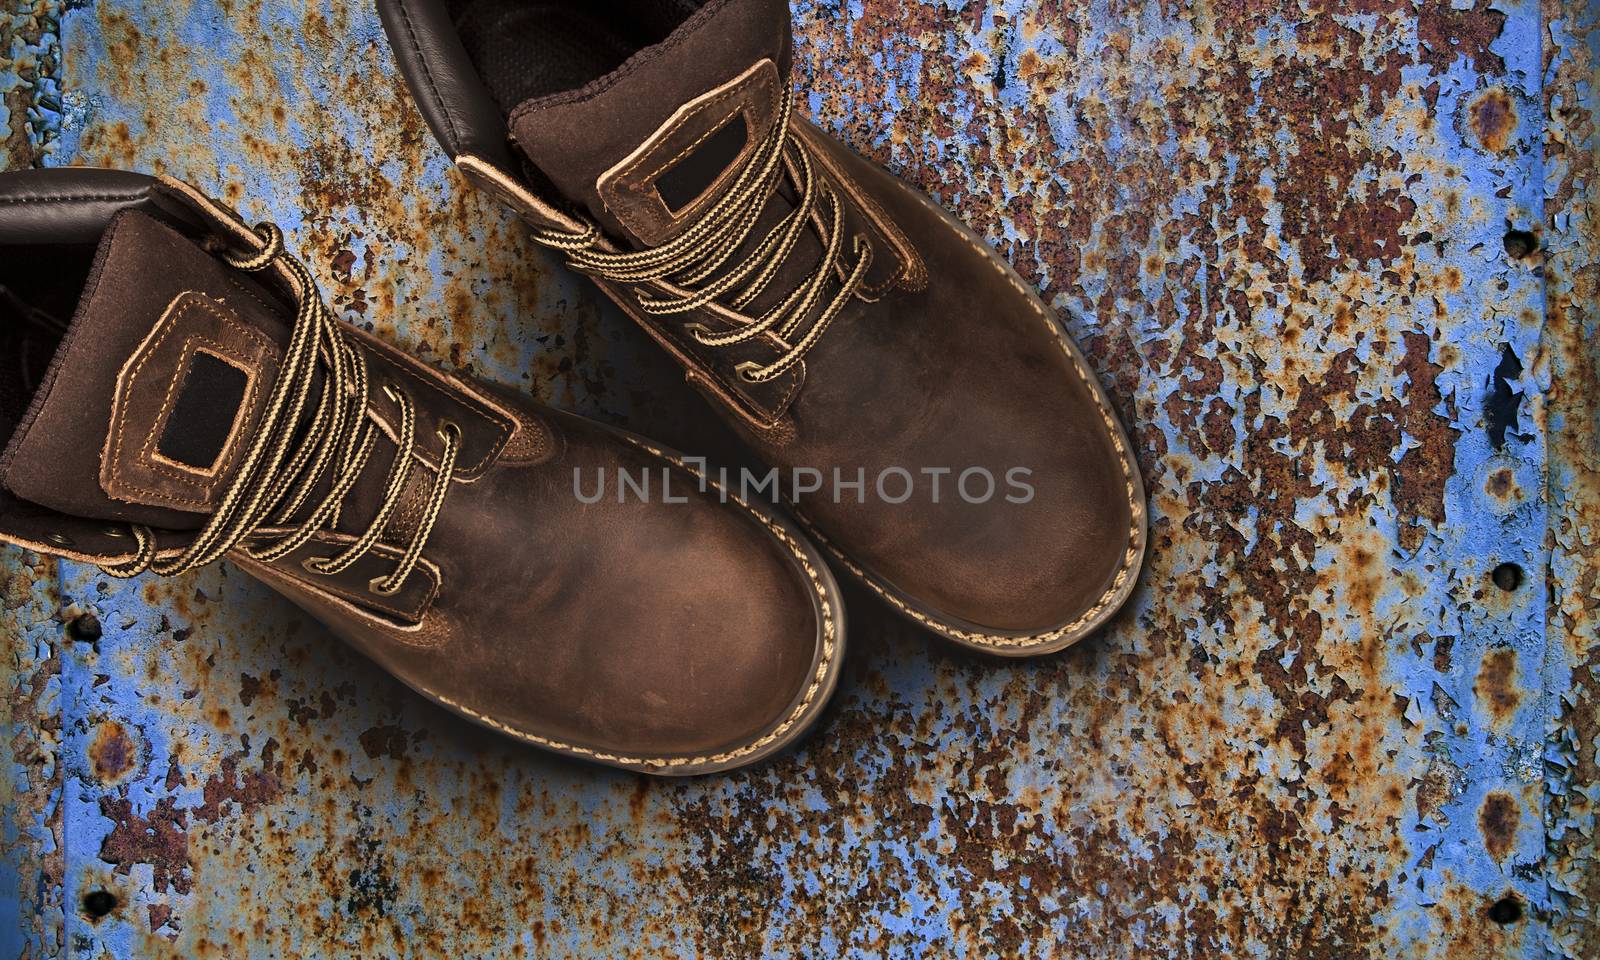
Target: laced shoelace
(285, 462)
(691, 260)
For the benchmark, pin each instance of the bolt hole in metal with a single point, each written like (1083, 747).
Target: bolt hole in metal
(98, 903)
(1508, 576)
(85, 628)
(1506, 911)
(1520, 243)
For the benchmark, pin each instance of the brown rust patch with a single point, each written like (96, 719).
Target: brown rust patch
(160, 914)
(113, 752)
(1502, 486)
(1492, 117)
(1573, 291)
(17, 151)
(385, 741)
(1423, 470)
(1440, 784)
(1496, 686)
(1447, 34)
(236, 791)
(160, 840)
(1499, 818)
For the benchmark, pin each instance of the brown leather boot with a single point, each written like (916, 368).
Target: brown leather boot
(175, 393)
(837, 318)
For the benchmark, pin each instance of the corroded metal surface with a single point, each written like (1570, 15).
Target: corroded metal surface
(1302, 244)
(1572, 214)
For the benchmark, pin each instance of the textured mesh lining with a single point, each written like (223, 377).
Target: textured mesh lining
(688, 178)
(39, 289)
(528, 49)
(202, 417)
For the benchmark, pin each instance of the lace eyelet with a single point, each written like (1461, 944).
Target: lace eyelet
(447, 429)
(309, 565)
(746, 369)
(375, 586)
(698, 331)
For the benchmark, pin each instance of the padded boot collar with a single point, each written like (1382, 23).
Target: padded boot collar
(454, 102)
(67, 206)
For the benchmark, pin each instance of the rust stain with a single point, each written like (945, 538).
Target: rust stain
(1498, 818)
(235, 791)
(1496, 685)
(160, 840)
(1448, 33)
(17, 148)
(1493, 119)
(1572, 199)
(113, 752)
(1421, 475)
(387, 740)
(1442, 782)
(1502, 486)
(30, 598)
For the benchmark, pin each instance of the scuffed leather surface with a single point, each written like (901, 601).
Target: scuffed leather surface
(131, 467)
(574, 137)
(944, 361)
(655, 628)
(406, 607)
(629, 190)
(965, 373)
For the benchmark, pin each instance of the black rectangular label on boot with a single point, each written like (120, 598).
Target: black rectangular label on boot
(202, 417)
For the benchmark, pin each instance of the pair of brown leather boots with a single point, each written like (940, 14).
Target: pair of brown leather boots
(175, 392)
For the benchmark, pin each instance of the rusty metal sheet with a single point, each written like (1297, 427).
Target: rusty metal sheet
(1336, 262)
(1572, 338)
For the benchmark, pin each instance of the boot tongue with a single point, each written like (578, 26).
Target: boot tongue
(655, 142)
(155, 389)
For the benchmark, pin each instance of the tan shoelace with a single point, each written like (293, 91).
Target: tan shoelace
(694, 257)
(278, 472)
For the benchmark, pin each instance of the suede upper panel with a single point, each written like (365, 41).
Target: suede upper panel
(575, 138)
(153, 303)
